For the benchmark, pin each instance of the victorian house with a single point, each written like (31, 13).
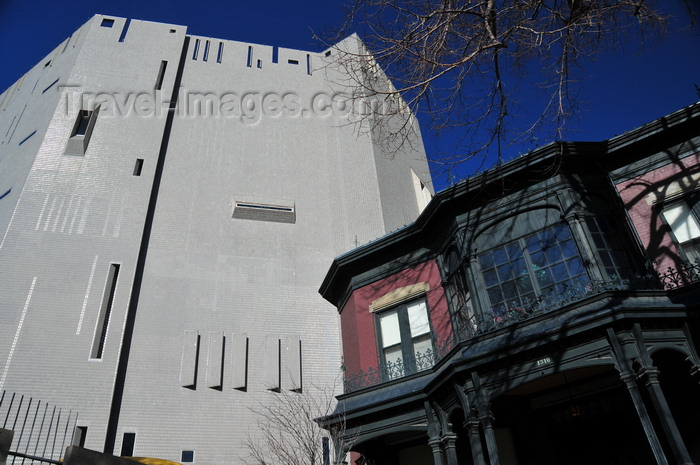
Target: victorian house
(542, 312)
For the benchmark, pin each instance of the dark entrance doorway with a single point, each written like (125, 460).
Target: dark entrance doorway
(578, 417)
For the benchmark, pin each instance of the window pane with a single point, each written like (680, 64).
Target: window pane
(418, 318)
(393, 362)
(423, 353)
(575, 266)
(490, 277)
(682, 222)
(499, 256)
(553, 254)
(509, 290)
(568, 248)
(495, 295)
(486, 260)
(389, 323)
(514, 251)
(524, 282)
(544, 277)
(505, 272)
(560, 272)
(538, 259)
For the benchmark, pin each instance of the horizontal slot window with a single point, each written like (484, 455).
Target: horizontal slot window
(278, 211)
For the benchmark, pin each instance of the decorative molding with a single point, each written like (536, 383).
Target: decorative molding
(399, 295)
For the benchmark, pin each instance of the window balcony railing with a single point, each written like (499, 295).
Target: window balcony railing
(686, 273)
(468, 328)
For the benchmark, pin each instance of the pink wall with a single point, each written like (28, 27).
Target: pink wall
(638, 195)
(357, 323)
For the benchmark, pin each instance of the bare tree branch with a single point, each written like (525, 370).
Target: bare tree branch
(288, 433)
(468, 64)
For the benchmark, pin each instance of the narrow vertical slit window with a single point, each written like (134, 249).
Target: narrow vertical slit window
(138, 166)
(249, 63)
(128, 443)
(275, 54)
(220, 54)
(196, 49)
(260, 64)
(161, 74)
(27, 138)
(105, 311)
(79, 436)
(49, 86)
(82, 131)
(206, 51)
(82, 123)
(308, 64)
(125, 29)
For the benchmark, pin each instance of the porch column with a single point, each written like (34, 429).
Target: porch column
(633, 389)
(434, 429)
(475, 442)
(651, 376)
(629, 379)
(434, 444)
(490, 436)
(450, 442)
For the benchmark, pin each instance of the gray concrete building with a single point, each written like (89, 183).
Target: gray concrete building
(169, 205)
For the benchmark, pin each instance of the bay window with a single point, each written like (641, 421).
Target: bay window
(529, 269)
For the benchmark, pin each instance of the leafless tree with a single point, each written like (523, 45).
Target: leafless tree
(469, 64)
(288, 430)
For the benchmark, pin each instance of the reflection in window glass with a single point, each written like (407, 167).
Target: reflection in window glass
(518, 273)
(684, 220)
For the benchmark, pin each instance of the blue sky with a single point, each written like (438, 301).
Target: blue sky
(621, 90)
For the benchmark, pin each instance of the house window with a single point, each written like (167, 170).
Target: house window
(405, 339)
(684, 220)
(536, 267)
(608, 240)
(458, 295)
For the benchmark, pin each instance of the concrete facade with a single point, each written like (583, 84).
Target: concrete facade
(159, 270)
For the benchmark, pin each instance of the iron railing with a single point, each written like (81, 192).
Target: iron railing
(470, 327)
(41, 431)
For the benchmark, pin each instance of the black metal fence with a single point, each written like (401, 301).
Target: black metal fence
(41, 431)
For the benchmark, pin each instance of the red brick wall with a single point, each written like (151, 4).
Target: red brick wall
(357, 322)
(638, 195)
